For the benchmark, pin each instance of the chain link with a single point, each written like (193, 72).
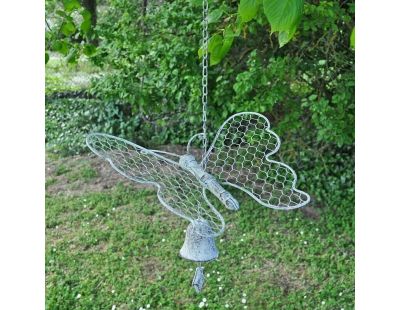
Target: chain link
(204, 83)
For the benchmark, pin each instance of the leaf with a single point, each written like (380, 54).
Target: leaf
(61, 46)
(214, 46)
(353, 38)
(68, 28)
(71, 5)
(214, 16)
(284, 16)
(87, 21)
(219, 46)
(46, 58)
(89, 50)
(196, 2)
(248, 9)
(229, 35)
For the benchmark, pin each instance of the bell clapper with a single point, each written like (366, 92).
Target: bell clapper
(198, 279)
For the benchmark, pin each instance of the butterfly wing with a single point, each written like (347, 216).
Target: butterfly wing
(177, 189)
(240, 156)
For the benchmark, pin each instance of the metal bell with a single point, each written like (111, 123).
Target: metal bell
(198, 248)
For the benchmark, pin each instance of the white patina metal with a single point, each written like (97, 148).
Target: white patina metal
(239, 156)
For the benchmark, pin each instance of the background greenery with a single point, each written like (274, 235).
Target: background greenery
(135, 72)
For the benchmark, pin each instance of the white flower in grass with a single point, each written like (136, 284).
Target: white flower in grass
(163, 240)
(148, 306)
(244, 294)
(305, 242)
(113, 307)
(219, 279)
(78, 296)
(323, 302)
(113, 291)
(305, 296)
(217, 272)
(340, 294)
(244, 235)
(220, 288)
(297, 218)
(302, 233)
(97, 215)
(242, 239)
(341, 308)
(201, 304)
(244, 307)
(204, 299)
(244, 300)
(113, 209)
(316, 229)
(277, 233)
(221, 240)
(226, 306)
(208, 275)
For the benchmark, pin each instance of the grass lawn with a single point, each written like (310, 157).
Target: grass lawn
(110, 245)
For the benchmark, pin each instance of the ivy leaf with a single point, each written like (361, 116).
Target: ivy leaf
(248, 9)
(284, 16)
(214, 16)
(68, 28)
(353, 38)
(71, 5)
(46, 58)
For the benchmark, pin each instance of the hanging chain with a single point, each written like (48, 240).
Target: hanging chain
(204, 81)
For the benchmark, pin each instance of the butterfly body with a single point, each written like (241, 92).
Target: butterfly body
(189, 162)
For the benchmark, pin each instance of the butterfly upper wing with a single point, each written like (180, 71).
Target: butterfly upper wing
(177, 189)
(239, 156)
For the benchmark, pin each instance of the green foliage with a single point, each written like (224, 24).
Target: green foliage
(284, 16)
(68, 121)
(148, 91)
(71, 31)
(149, 88)
(248, 9)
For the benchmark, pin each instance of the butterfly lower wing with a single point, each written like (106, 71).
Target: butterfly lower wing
(239, 156)
(177, 189)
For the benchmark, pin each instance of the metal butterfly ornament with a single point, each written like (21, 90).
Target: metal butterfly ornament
(239, 156)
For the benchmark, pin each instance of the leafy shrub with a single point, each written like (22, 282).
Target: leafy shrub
(149, 90)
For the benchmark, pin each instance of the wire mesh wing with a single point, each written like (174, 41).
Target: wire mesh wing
(177, 189)
(240, 156)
